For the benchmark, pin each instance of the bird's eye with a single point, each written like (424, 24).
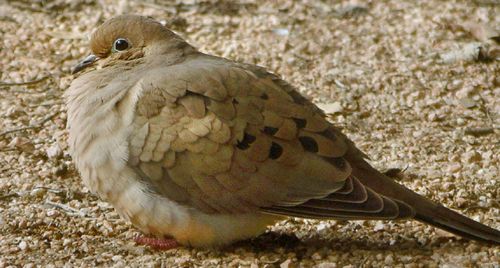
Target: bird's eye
(120, 44)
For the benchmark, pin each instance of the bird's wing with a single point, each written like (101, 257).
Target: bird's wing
(230, 138)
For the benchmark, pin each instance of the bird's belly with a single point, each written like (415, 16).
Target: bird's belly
(224, 228)
(160, 216)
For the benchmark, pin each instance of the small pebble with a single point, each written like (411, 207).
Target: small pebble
(327, 265)
(316, 256)
(117, 258)
(52, 213)
(379, 226)
(454, 167)
(38, 192)
(473, 157)
(23, 245)
(54, 151)
(389, 260)
(286, 264)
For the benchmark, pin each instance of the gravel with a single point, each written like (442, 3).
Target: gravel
(399, 76)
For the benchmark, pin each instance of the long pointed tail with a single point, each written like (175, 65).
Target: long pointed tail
(426, 210)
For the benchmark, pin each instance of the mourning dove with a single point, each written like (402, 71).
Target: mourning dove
(202, 151)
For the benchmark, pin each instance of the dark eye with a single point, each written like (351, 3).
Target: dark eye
(120, 44)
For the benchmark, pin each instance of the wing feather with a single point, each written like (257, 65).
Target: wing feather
(235, 138)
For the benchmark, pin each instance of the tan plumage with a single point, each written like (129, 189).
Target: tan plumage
(210, 151)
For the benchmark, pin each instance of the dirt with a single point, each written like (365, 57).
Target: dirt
(411, 82)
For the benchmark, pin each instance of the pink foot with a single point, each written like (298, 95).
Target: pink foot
(157, 243)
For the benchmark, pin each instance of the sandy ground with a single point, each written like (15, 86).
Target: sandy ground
(398, 76)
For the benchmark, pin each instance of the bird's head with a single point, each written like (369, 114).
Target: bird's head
(129, 37)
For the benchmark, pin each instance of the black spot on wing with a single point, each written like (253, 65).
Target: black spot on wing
(299, 122)
(309, 144)
(245, 143)
(276, 151)
(270, 130)
(329, 134)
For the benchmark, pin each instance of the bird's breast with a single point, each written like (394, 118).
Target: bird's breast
(99, 124)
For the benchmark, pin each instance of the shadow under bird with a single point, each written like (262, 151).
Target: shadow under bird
(202, 151)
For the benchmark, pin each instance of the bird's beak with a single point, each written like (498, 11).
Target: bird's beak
(89, 60)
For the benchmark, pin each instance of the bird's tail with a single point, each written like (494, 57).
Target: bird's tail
(426, 210)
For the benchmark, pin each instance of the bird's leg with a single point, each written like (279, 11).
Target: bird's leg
(165, 243)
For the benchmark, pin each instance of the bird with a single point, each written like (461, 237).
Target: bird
(201, 151)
